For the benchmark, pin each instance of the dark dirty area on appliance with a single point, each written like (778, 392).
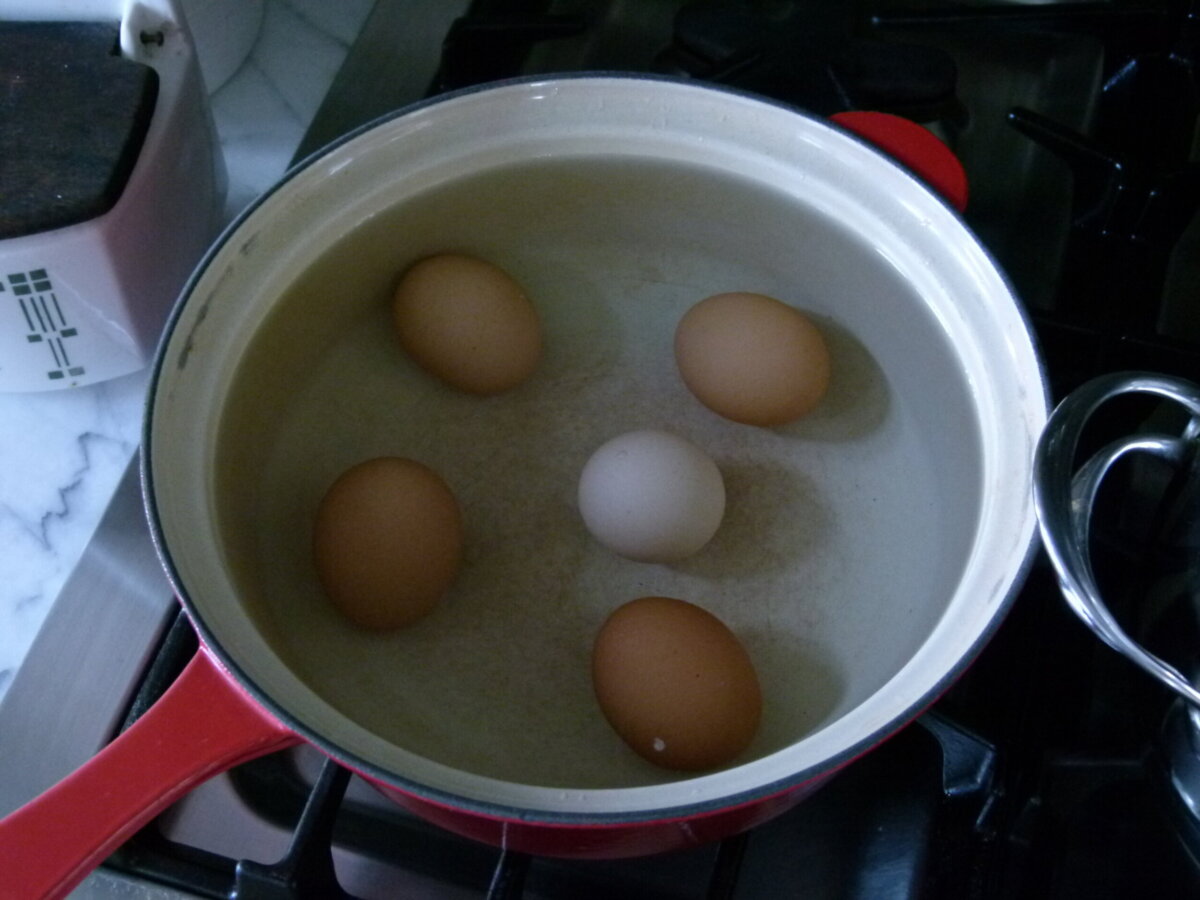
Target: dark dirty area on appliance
(1040, 773)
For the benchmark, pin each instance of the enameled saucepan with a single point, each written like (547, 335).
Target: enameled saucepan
(867, 553)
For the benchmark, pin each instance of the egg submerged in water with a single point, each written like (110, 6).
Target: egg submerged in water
(387, 541)
(468, 323)
(651, 496)
(676, 684)
(752, 359)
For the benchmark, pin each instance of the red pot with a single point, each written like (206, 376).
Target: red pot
(868, 552)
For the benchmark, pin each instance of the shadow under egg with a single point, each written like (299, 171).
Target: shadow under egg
(802, 687)
(858, 397)
(775, 518)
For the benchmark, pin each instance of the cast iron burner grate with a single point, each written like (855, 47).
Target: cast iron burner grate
(1135, 177)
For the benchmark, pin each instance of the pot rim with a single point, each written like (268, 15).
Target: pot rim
(489, 808)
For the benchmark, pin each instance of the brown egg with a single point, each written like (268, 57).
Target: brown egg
(468, 323)
(676, 684)
(752, 358)
(387, 541)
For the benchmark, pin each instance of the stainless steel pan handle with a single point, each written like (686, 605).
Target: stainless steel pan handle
(1064, 500)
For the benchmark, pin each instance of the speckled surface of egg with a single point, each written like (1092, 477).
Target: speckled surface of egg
(387, 541)
(651, 496)
(752, 358)
(467, 322)
(676, 684)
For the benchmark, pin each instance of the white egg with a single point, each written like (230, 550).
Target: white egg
(651, 496)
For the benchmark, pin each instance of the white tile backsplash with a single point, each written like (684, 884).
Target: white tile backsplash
(262, 111)
(340, 19)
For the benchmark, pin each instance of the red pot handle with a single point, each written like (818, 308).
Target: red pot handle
(913, 146)
(204, 724)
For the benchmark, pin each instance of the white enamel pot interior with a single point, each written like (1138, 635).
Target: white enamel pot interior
(868, 550)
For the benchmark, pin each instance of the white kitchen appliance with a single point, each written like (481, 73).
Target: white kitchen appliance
(85, 301)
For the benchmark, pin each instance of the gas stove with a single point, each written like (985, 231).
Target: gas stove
(1040, 773)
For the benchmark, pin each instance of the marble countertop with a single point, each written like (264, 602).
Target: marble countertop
(63, 452)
